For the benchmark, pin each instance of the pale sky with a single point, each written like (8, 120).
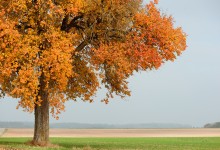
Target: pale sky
(186, 91)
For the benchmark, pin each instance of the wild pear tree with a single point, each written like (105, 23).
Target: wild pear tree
(52, 51)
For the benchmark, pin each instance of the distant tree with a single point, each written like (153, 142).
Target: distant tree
(212, 125)
(52, 51)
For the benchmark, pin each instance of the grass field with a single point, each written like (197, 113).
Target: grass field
(118, 144)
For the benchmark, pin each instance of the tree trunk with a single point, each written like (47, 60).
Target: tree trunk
(41, 127)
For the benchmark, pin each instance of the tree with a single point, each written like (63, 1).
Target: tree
(52, 51)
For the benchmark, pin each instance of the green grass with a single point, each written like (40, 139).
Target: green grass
(118, 144)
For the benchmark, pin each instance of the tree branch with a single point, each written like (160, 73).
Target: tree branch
(34, 2)
(2, 93)
(66, 27)
(81, 45)
(65, 23)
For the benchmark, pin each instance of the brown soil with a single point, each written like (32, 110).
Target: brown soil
(118, 133)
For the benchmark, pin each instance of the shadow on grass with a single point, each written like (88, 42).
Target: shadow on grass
(96, 143)
(24, 143)
(74, 145)
(13, 142)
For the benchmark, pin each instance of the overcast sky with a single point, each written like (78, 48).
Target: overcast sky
(186, 91)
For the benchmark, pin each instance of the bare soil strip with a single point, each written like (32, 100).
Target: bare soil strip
(2, 131)
(118, 133)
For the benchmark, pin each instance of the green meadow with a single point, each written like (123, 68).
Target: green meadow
(204, 143)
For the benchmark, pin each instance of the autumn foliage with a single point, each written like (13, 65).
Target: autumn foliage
(69, 48)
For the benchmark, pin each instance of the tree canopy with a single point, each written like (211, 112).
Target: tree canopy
(69, 48)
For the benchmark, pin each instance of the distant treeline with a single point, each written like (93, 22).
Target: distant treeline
(93, 126)
(212, 125)
(16, 125)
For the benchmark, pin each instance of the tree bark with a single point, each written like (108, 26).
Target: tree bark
(41, 127)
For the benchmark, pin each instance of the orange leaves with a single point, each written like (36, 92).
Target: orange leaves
(156, 1)
(72, 6)
(56, 60)
(56, 101)
(156, 40)
(84, 82)
(151, 41)
(115, 67)
(67, 48)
